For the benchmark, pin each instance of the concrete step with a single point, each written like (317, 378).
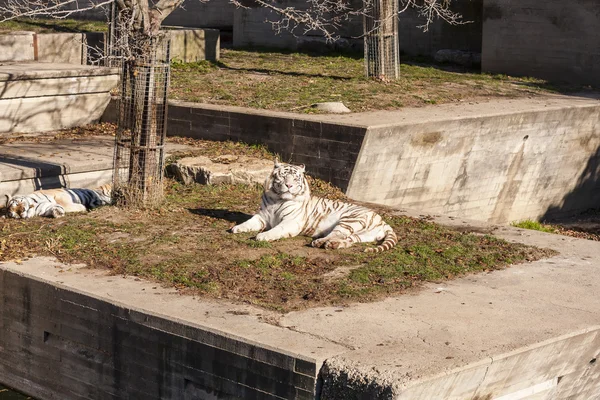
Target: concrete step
(38, 97)
(85, 162)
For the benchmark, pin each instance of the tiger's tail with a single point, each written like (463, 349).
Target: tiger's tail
(389, 240)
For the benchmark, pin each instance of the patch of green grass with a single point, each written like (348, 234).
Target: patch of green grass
(47, 25)
(534, 225)
(293, 81)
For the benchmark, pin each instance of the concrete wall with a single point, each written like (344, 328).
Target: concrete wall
(563, 368)
(40, 97)
(500, 168)
(212, 14)
(250, 29)
(60, 344)
(441, 35)
(328, 149)
(187, 45)
(550, 39)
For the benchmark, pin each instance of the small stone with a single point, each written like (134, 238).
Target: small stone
(335, 107)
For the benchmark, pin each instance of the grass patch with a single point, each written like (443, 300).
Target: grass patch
(534, 225)
(294, 81)
(43, 25)
(170, 245)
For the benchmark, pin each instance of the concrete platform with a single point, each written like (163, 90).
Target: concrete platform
(500, 160)
(528, 332)
(37, 97)
(26, 166)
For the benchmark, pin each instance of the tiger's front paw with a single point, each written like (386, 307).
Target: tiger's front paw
(264, 237)
(239, 229)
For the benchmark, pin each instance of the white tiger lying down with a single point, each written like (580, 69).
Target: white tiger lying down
(56, 202)
(287, 209)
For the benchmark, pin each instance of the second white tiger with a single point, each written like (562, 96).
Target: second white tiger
(287, 209)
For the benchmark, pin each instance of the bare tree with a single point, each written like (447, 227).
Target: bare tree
(136, 38)
(146, 16)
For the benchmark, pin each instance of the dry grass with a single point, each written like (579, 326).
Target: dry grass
(294, 81)
(170, 245)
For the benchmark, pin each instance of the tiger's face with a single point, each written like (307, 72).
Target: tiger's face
(288, 181)
(19, 207)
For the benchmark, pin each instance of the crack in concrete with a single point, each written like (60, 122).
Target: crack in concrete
(476, 394)
(294, 329)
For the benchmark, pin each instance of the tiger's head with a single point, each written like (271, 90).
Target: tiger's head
(19, 207)
(287, 181)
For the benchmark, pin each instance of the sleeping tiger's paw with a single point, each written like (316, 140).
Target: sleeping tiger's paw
(58, 212)
(318, 243)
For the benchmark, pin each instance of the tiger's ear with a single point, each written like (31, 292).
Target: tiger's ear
(277, 163)
(302, 167)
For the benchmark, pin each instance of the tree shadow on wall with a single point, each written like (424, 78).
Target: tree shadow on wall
(585, 195)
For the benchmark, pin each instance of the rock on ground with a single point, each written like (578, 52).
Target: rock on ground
(332, 107)
(222, 169)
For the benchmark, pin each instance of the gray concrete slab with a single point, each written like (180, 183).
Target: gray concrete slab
(520, 330)
(36, 70)
(85, 162)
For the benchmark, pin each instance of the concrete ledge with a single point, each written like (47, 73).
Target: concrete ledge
(100, 347)
(529, 331)
(498, 161)
(86, 162)
(187, 45)
(38, 97)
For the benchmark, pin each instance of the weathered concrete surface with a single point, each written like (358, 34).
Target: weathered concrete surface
(499, 160)
(60, 48)
(530, 330)
(37, 97)
(17, 47)
(214, 14)
(86, 162)
(563, 41)
(222, 169)
(250, 29)
(187, 45)
(190, 45)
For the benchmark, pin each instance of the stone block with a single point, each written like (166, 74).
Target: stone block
(60, 48)
(189, 45)
(18, 46)
(223, 169)
(39, 114)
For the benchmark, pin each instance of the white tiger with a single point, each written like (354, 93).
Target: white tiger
(56, 202)
(287, 209)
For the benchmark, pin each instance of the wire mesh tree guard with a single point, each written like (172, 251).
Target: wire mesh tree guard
(142, 129)
(380, 24)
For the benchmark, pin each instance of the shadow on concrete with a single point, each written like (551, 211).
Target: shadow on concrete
(231, 216)
(585, 195)
(46, 175)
